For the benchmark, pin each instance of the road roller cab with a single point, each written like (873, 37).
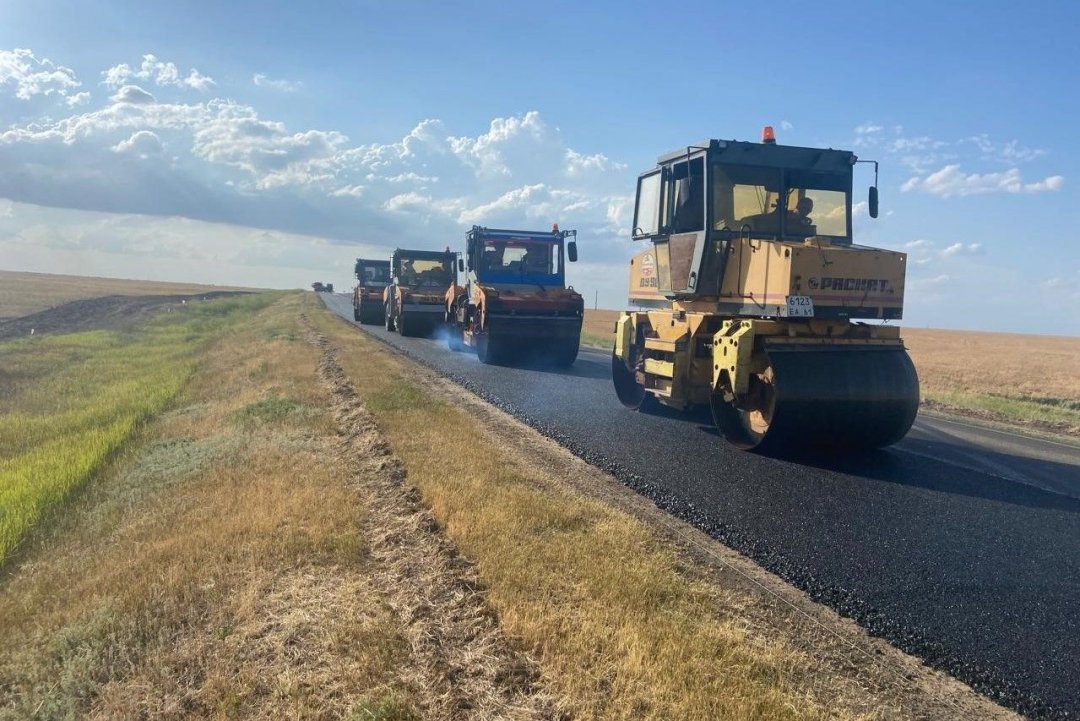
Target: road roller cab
(758, 300)
(372, 277)
(516, 302)
(413, 300)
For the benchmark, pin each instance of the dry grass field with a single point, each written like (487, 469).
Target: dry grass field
(301, 532)
(25, 293)
(1029, 380)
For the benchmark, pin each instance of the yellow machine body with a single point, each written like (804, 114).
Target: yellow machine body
(766, 323)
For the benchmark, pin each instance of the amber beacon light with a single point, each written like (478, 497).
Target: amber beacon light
(768, 136)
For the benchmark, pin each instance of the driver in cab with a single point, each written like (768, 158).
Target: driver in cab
(799, 221)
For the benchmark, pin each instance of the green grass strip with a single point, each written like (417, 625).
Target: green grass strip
(69, 402)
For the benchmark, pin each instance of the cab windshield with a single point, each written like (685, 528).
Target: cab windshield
(424, 272)
(520, 258)
(376, 275)
(792, 205)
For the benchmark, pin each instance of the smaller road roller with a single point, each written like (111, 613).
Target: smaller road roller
(515, 303)
(372, 277)
(413, 302)
(758, 304)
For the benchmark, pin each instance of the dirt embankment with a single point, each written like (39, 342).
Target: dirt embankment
(114, 312)
(462, 666)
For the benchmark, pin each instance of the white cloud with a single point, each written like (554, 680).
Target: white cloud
(32, 76)
(412, 178)
(197, 81)
(168, 248)
(950, 181)
(919, 244)
(578, 164)
(352, 191)
(77, 99)
(133, 95)
(160, 72)
(936, 281)
(786, 125)
(1010, 152)
(962, 249)
(228, 163)
(143, 143)
(285, 86)
(866, 135)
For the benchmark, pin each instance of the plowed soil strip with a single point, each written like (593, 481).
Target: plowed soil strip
(464, 668)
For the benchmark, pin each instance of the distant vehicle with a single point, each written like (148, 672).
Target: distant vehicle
(318, 287)
(329, 287)
(515, 302)
(372, 277)
(413, 301)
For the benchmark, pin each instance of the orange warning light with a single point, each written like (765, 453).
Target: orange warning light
(767, 135)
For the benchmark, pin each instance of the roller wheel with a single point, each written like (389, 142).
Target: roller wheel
(630, 393)
(405, 325)
(488, 351)
(454, 338)
(566, 353)
(389, 318)
(746, 426)
(356, 314)
(823, 400)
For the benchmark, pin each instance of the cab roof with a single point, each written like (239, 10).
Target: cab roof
(421, 254)
(772, 155)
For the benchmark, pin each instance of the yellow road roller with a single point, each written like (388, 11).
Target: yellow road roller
(756, 302)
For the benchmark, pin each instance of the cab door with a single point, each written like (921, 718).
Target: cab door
(671, 211)
(686, 242)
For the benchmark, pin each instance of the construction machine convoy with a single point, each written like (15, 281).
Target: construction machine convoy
(759, 305)
(413, 301)
(752, 298)
(322, 287)
(515, 302)
(372, 277)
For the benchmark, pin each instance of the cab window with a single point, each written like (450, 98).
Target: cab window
(816, 204)
(647, 209)
(688, 196)
(745, 197)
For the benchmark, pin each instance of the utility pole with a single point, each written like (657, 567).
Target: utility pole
(596, 300)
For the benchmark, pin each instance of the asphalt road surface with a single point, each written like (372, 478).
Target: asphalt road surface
(959, 544)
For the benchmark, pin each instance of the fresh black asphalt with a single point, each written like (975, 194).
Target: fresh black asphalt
(959, 545)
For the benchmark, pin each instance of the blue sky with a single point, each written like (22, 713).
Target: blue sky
(271, 143)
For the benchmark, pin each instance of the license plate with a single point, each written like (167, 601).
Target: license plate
(800, 306)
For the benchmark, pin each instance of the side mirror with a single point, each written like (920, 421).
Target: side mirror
(469, 263)
(571, 251)
(460, 265)
(873, 201)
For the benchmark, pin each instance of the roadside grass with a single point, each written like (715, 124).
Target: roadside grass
(215, 567)
(594, 340)
(71, 401)
(1057, 414)
(25, 293)
(619, 631)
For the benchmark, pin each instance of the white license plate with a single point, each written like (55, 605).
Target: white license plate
(800, 306)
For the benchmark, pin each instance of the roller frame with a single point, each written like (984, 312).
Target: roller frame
(870, 408)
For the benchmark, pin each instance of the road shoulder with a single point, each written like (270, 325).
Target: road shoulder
(840, 665)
